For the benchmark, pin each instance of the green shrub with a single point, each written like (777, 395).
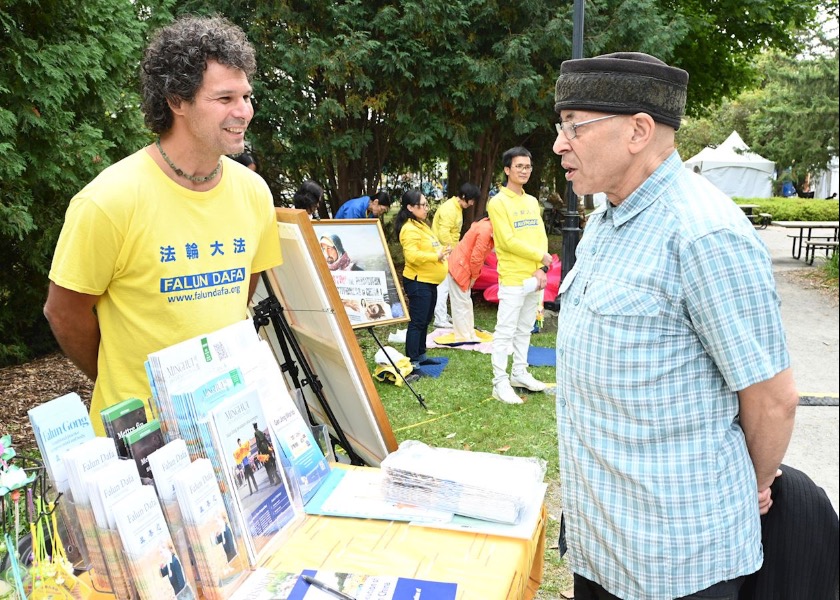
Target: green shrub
(795, 209)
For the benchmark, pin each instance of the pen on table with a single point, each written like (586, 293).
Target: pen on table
(325, 588)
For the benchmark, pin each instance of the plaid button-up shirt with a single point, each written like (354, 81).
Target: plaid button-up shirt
(671, 308)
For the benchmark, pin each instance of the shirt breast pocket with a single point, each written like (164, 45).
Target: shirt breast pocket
(628, 315)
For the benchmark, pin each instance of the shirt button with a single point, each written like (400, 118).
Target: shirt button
(561, 401)
(576, 302)
(594, 251)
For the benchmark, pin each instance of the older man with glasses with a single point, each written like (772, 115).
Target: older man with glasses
(522, 252)
(675, 399)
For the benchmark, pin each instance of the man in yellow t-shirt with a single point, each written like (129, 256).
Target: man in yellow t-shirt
(168, 243)
(522, 250)
(446, 225)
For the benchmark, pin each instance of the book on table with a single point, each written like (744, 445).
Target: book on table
(268, 584)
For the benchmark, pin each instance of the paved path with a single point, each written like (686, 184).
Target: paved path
(812, 324)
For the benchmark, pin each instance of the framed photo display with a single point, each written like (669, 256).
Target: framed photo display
(313, 310)
(360, 265)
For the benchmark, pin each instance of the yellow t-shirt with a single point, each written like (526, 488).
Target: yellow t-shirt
(167, 263)
(447, 222)
(420, 250)
(519, 235)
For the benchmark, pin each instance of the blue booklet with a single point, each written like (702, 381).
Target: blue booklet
(267, 584)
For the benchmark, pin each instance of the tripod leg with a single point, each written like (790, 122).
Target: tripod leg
(381, 347)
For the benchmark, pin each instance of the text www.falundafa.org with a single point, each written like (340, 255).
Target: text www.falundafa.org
(204, 295)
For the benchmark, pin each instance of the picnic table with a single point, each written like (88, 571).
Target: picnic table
(760, 220)
(806, 236)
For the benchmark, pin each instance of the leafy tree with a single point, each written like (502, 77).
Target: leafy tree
(791, 118)
(67, 110)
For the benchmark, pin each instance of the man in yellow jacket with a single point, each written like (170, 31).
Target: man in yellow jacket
(522, 251)
(446, 225)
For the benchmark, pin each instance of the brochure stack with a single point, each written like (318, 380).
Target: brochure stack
(220, 556)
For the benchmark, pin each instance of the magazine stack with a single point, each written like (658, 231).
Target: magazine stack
(473, 484)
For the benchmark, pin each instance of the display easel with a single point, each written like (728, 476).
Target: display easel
(396, 369)
(270, 311)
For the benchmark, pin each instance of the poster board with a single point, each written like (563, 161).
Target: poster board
(361, 267)
(315, 313)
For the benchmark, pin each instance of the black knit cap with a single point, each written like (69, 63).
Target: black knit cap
(623, 83)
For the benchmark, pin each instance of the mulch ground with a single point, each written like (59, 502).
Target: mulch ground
(33, 383)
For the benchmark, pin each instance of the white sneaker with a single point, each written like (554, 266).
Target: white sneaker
(527, 381)
(443, 324)
(504, 393)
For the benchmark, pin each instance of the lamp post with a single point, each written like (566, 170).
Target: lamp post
(571, 222)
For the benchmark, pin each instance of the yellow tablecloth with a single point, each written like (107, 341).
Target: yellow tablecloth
(485, 567)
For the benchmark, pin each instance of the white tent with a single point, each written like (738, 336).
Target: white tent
(827, 182)
(734, 169)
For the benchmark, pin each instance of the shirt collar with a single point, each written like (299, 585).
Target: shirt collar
(647, 193)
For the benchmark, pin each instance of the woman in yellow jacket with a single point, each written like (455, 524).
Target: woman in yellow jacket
(425, 268)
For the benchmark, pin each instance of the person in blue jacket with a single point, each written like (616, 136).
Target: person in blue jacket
(365, 207)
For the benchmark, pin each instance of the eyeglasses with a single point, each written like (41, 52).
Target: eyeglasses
(423, 205)
(569, 129)
(523, 168)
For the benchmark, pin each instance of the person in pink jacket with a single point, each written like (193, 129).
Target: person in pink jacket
(464, 267)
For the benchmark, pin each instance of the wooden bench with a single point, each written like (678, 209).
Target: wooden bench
(812, 245)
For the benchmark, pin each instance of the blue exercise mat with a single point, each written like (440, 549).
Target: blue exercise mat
(541, 357)
(433, 370)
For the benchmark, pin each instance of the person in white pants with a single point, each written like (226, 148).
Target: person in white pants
(465, 264)
(446, 225)
(522, 251)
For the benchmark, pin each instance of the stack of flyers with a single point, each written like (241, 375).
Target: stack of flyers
(165, 464)
(107, 486)
(149, 552)
(293, 436)
(200, 358)
(60, 424)
(82, 462)
(220, 560)
(252, 470)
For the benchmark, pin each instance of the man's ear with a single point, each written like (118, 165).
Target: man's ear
(643, 131)
(174, 105)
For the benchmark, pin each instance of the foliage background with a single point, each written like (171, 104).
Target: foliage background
(365, 93)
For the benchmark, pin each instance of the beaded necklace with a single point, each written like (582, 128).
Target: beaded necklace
(181, 173)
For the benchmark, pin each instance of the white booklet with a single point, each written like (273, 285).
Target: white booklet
(156, 566)
(81, 462)
(116, 480)
(60, 424)
(220, 558)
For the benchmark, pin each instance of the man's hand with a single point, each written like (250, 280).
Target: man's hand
(546, 259)
(765, 500)
(542, 279)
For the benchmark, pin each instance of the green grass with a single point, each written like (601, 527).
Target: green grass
(462, 414)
